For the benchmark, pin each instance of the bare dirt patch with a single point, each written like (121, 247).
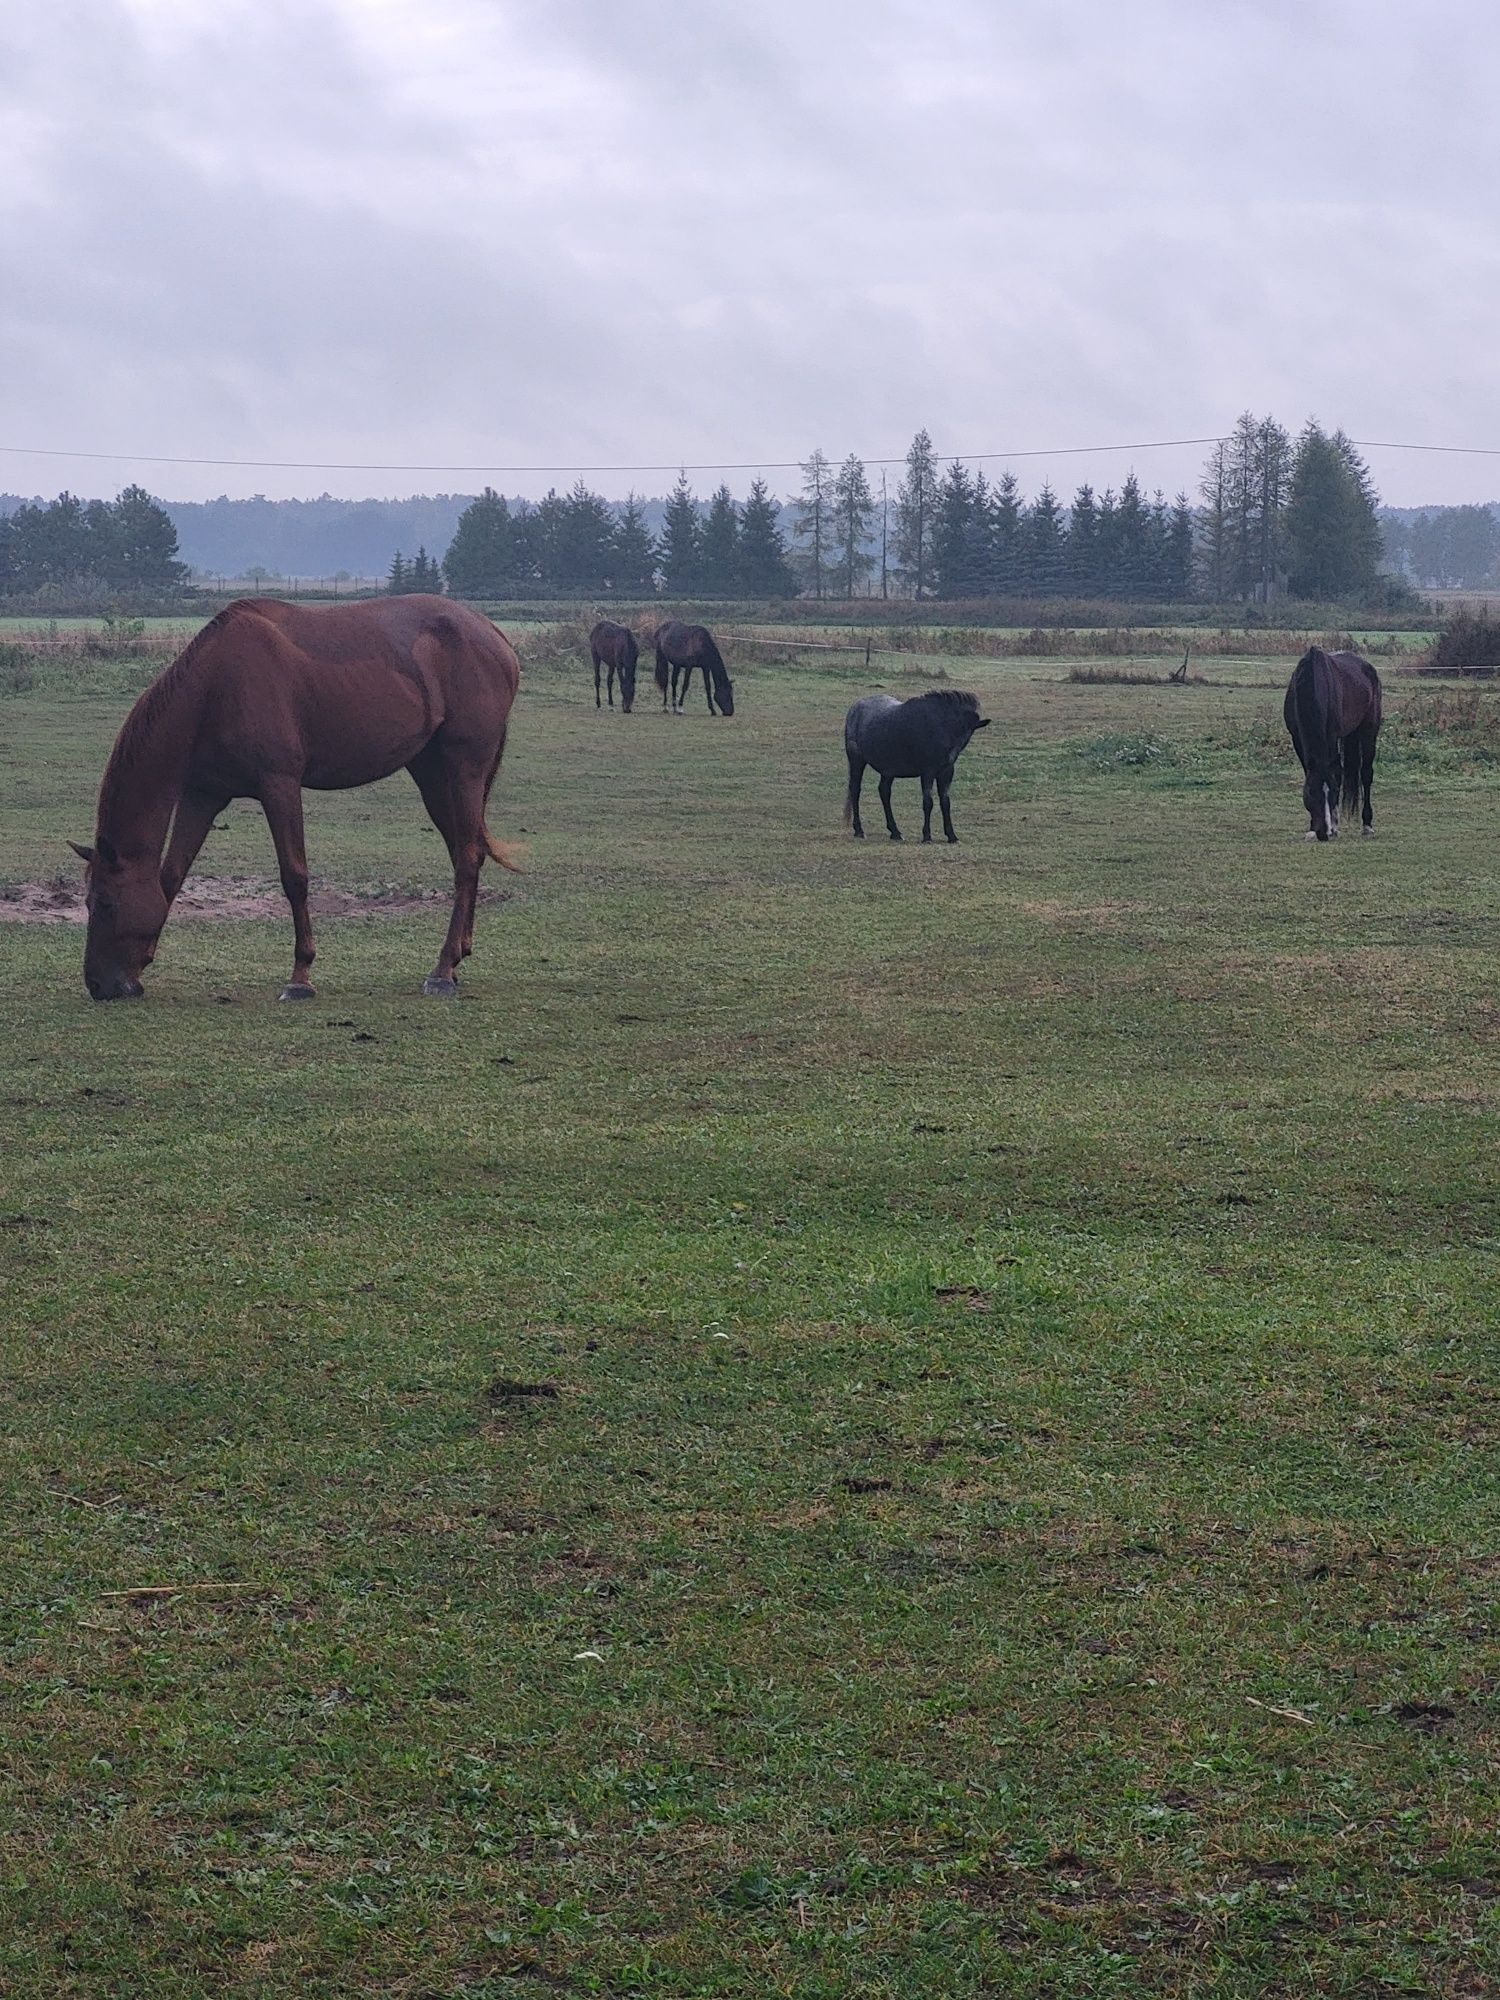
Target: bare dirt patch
(61, 901)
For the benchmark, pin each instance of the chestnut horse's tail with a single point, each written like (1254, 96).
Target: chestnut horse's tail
(503, 851)
(661, 670)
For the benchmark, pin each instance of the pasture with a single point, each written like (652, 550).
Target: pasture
(848, 1419)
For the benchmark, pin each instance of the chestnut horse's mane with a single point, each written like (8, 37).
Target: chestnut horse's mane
(140, 725)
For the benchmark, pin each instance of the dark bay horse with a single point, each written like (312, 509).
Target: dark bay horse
(921, 738)
(270, 697)
(613, 646)
(683, 647)
(1332, 710)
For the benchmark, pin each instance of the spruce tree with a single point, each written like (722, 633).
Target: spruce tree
(976, 578)
(481, 556)
(916, 508)
(813, 523)
(1132, 537)
(1083, 544)
(1332, 530)
(951, 523)
(720, 553)
(633, 555)
(395, 583)
(584, 543)
(680, 554)
(764, 568)
(1011, 572)
(1177, 582)
(853, 505)
(1046, 543)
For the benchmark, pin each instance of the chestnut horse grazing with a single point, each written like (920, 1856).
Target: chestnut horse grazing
(270, 697)
(1332, 712)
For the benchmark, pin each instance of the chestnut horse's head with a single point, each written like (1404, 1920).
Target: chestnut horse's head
(127, 907)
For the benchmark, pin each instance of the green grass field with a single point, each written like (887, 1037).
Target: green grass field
(1007, 1503)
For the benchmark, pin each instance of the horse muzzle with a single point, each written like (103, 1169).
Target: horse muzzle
(115, 986)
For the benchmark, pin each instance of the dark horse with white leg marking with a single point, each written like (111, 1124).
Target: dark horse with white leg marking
(1332, 710)
(683, 647)
(613, 646)
(270, 697)
(921, 738)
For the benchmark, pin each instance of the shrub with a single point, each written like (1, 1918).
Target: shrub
(1470, 640)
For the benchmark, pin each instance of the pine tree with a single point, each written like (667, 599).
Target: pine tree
(396, 584)
(633, 555)
(813, 521)
(916, 509)
(853, 505)
(680, 555)
(764, 568)
(141, 543)
(720, 554)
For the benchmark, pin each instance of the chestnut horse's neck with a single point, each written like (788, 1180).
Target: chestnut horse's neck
(144, 778)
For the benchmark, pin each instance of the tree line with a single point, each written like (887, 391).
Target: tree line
(1276, 517)
(1450, 548)
(129, 544)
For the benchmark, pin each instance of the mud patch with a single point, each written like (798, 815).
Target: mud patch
(61, 901)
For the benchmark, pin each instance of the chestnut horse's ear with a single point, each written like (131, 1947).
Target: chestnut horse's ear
(85, 854)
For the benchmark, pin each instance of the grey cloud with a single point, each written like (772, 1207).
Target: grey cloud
(581, 232)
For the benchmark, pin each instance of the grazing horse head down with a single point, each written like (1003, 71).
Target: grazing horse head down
(127, 910)
(614, 646)
(921, 738)
(268, 698)
(1332, 713)
(679, 649)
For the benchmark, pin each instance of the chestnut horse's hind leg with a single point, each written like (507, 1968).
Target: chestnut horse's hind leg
(281, 802)
(454, 794)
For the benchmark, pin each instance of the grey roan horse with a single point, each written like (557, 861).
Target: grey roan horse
(1332, 711)
(920, 738)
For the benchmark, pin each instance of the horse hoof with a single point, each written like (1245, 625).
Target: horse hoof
(1367, 833)
(953, 840)
(895, 836)
(292, 991)
(1309, 836)
(927, 840)
(439, 988)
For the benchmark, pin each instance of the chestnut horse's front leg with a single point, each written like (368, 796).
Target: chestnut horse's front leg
(196, 813)
(281, 801)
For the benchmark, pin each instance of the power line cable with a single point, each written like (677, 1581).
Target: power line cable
(678, 465)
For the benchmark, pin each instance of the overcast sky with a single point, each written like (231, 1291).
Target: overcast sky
(597, 233)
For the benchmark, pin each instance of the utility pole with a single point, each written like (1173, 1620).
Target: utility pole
(884, 521)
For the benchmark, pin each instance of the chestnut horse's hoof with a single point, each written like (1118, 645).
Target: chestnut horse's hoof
(295, 992)
(432, 985)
